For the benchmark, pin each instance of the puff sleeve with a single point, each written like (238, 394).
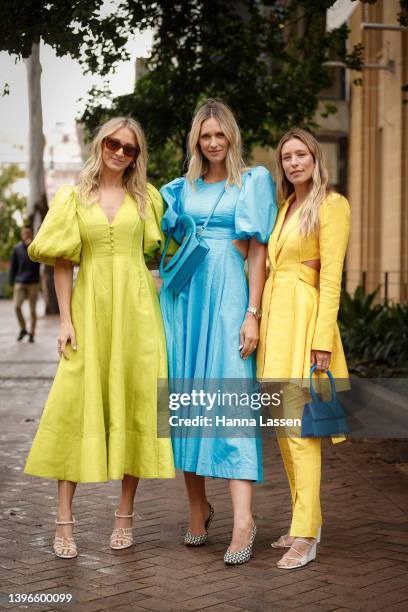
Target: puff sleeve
(334, 229)
(256, 209)
(153, 238)
(58, 236)
(172, 195)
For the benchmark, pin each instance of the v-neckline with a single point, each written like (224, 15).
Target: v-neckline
(276, 241)
(110, 223)
(285, 222)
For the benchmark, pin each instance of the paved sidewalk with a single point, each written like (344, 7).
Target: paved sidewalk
(362, 561)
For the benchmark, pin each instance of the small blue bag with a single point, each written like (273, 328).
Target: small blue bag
(323, 418)
(190, 254)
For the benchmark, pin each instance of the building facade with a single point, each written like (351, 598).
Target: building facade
(378, 153)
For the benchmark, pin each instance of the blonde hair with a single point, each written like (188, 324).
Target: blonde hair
(197, 162)
(309, 216)
(135, 175)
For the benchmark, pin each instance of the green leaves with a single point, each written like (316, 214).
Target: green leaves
(80, 28)
(403, 14)
(375, 335)
(264, 59)
(12, 206)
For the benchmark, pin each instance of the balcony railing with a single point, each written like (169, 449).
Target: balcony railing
(393, 283)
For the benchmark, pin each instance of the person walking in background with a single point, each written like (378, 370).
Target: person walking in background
(299, 324)
(100, 419)
(24, 277)
(212, 323)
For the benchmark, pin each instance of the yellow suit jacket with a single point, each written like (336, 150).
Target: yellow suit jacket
(300, 305)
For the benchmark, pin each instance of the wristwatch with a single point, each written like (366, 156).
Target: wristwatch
(256, 312)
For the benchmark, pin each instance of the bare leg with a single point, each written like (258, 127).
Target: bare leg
(129, 486)
(241, 496)
(198, 503)
(66, 490)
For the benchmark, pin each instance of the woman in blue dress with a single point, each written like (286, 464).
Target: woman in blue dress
(212, 323)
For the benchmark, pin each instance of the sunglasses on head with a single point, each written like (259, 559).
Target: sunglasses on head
(114, 145)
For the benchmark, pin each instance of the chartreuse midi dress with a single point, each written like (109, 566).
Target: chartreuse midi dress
(100, 419)
(203, 320)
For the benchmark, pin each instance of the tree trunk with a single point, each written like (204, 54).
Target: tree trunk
(37, 199)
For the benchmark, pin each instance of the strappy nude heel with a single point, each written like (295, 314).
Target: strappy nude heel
(122, 537)
(65, 547)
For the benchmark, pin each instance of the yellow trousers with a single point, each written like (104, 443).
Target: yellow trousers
(302, 461)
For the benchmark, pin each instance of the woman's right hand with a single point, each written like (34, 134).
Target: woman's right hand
(66, 335)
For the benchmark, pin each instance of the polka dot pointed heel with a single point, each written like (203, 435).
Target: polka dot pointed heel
(199, 540)
(241, 556)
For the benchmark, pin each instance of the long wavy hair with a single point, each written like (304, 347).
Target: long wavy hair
(135, 175)
(197, 162)
(309, 215)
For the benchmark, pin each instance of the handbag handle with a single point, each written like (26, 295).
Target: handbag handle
(164, 252)
(332, 385)
(162, 267)
(199, 232)
(201, 229)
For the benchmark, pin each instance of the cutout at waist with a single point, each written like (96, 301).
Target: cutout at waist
(297, 271)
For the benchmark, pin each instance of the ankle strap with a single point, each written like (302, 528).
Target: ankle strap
(66, 522)
(124, 515)
(304, 541)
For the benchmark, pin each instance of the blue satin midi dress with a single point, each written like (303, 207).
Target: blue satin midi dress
(202, 322)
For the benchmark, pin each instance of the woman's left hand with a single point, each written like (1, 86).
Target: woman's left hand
(248, 336)
(321, 359)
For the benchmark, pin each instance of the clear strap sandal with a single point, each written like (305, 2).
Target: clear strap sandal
(302, 559)
(122, 537)
(64, 546)
(283, 540)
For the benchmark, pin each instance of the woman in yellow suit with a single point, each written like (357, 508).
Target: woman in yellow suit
(100, 420)
(299, 321)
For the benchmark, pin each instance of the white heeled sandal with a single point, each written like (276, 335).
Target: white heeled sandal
(302, 559)
(65, 547)
(122, 537)
(282, 543)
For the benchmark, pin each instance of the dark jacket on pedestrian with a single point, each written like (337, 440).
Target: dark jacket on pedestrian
(22, 269)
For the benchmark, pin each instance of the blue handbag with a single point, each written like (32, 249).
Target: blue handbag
(190, 254)
(323, 418)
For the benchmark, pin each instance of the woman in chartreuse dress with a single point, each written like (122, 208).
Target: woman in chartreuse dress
(100, 419)
(299, 322)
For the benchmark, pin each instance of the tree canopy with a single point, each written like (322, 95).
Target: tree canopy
(265, 59)
(80, 28)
